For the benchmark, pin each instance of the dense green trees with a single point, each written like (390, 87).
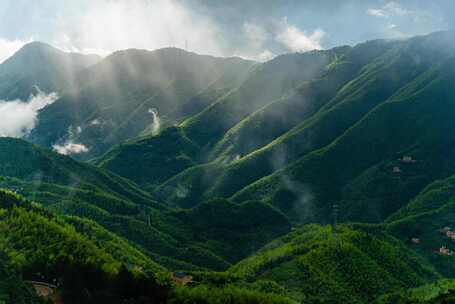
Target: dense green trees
(12, 288)
(226, 295)
(43, 247)
(440, 292)
(355, 266)
(173, 238)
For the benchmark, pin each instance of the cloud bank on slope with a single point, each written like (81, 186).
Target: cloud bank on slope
(70, 146)
(18, 117)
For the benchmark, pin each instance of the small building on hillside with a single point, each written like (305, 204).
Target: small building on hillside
(448, 232)
(446, 251)
(181, 278)
(46, 291)
(445, 230)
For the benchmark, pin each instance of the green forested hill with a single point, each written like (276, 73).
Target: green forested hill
(44, 247)
(41, 172)
(424, 218)
(391, 119)
(88, 264)
(264, 84)
(415, 123)
(161, 157)
(436, 293)
(336, 131)
(211, 236)
(308, 265)
(355, 266)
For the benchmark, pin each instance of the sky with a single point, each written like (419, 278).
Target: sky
(254, 29)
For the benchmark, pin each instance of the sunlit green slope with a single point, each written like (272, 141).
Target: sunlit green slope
(355, 266)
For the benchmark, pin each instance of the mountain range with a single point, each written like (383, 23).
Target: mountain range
(319, 177)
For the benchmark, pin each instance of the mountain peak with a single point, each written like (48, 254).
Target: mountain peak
(40, 64)
(35, 47)
(37, 44)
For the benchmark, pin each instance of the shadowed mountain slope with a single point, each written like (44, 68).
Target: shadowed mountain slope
(119, 96)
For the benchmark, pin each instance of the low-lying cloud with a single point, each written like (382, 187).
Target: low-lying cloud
(156, 124)
(69, 148)
(19, 117)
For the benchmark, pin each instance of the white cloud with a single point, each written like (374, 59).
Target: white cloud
(396, 9)
(95, 122)
(255, 34)
(19, 117)
(156, 123)
(280, 33)
(256, 38)
(393, 31)
(68, 145)
(297, 40)
(9, 47)
(376, 12)
(265, 55)
(390, 9)
(392, 26)
(256, 55)
(69, 148)
(108, 26)
(394, 14)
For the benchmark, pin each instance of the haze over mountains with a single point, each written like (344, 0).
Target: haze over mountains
(40, 65)
(230, 169)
